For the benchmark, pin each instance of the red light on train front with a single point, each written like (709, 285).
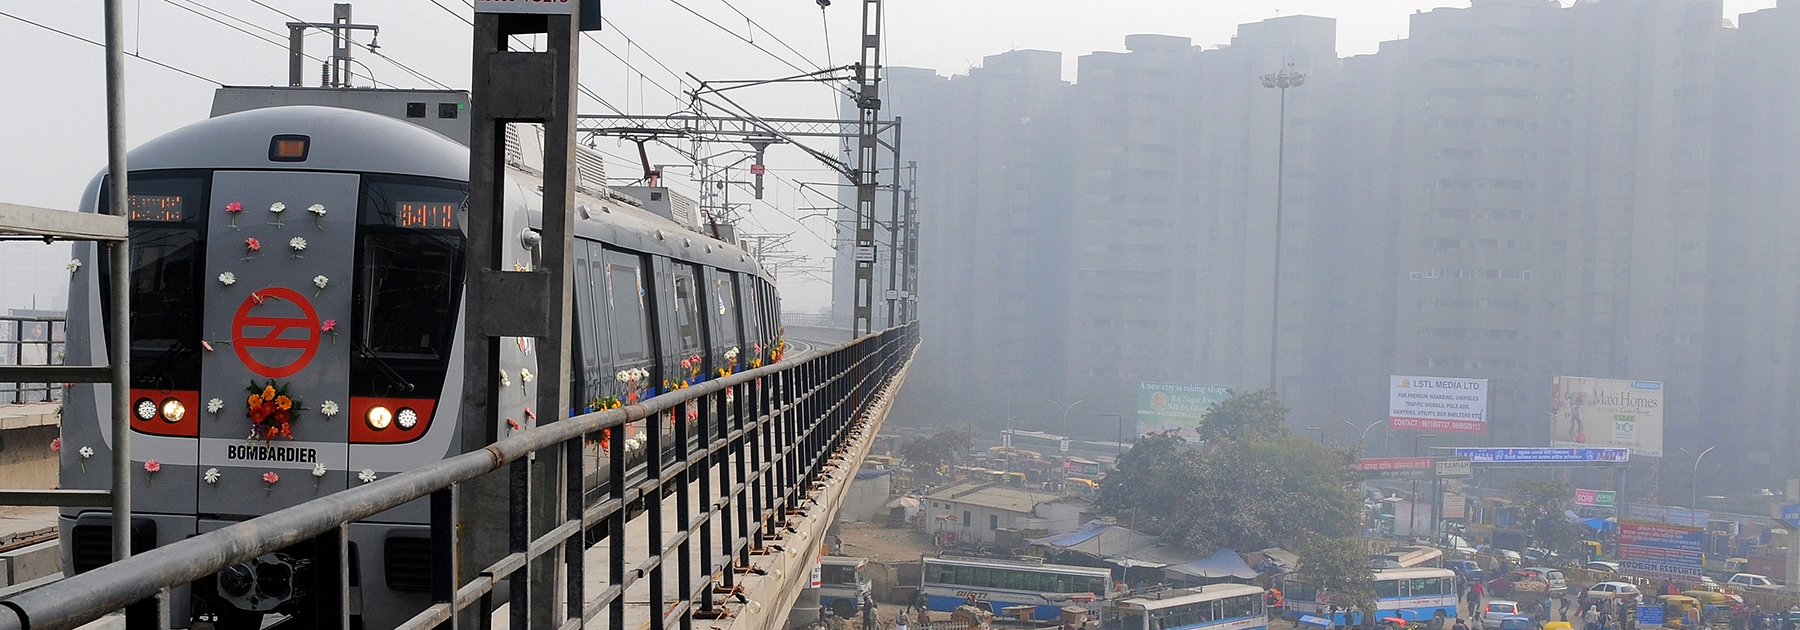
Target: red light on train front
(379, 417)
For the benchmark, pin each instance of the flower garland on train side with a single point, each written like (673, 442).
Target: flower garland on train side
(272, 411)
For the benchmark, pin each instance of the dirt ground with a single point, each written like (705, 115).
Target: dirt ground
(878, 543)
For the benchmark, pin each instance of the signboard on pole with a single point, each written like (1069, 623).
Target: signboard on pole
(1455, 468)
(1430, 403)
(1650, 616)
(1177, 406)
(1595, 498)
(1660, 551)
(1790, 513)
(1607, 412)
(1544, 455)
(1396, 467)
(1456, 506)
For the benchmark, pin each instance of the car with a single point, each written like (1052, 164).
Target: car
(1468, 569)
(1752, 581)
(1517, 622)
(1709, 584)
(1519, 582)
(1602, 566)
(1496, 610)
(1558, 583)
(1610, 590)
(1509, 555)
(1544, 556)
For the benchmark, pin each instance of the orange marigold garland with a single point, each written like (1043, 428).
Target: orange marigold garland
(272, 411)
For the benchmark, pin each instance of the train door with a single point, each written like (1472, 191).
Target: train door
(279, 281)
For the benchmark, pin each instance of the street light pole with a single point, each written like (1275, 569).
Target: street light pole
(1364, 434)
(1282, 80)
(1415, 484)
(1694, 485)
(1065, 413)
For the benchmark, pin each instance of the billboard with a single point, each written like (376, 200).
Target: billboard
(1430, 403)
(1532, 455)
(1178, 406)
(1396, 467)
(1659, 551)
(1595, 498)
(1607, 412)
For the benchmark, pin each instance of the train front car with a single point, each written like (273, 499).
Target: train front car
(296, 299)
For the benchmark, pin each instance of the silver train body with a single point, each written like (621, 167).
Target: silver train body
(316, 253)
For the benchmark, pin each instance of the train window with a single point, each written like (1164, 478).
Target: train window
(590, 299)
(168, 262)
(408, 290)
(687, 311)
(752, 316)
(625, 296)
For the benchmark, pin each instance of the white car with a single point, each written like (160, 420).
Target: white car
(1607, 590)
(1558, 583)
(1751, 580)
(1495, 610)
(1603, 566)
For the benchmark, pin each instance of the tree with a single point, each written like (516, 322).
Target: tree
(1253, 485)
(939, 451)
(1542, 505)
(1341, 570)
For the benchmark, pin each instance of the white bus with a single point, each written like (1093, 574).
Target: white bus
(1424, 594)
(1215, 607)
(1000, 584)
(844, 584)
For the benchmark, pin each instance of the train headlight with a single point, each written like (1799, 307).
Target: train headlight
(407, 418)
(173, 410)
(145, 409)
(379, 417)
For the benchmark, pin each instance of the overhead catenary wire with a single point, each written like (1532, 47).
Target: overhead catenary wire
(129, 54)
(741, 38)
(403, 67)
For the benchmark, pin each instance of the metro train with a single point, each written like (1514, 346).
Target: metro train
(297, 309)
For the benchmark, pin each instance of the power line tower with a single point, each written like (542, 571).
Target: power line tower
(868, 106)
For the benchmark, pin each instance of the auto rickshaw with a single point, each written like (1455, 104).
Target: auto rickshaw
(1678, 609)
(1558, 625)
(1709, 598)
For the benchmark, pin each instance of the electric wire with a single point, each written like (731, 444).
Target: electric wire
(130, 54)
(741, 38)
(772, 34)
(408, 69)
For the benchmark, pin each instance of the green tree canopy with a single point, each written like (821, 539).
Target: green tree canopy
(1253, 484)
(1342, 571)
(1542, 506)
(943, 449)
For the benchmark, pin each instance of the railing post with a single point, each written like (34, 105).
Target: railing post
(445, 576)
(615, 526)
(653, 506)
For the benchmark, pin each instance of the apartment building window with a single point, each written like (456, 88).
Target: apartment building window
(993, 521)
(967, 518)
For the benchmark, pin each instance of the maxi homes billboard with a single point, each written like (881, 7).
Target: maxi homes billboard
(1607, 412)
(1178, 406)
(1430, 403)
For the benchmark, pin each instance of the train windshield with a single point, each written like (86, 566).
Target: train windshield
(409, 267)
(168, 262)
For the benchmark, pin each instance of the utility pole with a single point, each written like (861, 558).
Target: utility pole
(1282, 80)
(336, 73)
(909, 288)
(893, 230)
(511, 86)
(868, 106)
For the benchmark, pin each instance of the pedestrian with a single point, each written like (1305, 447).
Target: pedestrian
(900, 621)
(1459, 625)
(1590, 617)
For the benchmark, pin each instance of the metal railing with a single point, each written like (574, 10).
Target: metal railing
(764, 437)
(31, 341)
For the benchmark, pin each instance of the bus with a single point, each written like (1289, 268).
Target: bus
(1001, 584)
(844, 584)
(1421, 594)
(1215, 607)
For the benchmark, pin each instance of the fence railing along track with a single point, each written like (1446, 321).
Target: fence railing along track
(765, 434)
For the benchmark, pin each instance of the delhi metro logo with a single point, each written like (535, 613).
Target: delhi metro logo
(275, 341)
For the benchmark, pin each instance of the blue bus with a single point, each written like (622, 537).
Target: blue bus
(844, 584)
(1416, 594)
(1001, 584)
(1215, 607)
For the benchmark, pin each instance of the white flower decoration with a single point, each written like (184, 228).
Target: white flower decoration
(366, 476)
(215, 405)
(74, 265)
(211, 476)
(525, 375)
(297, 244)
(277, 207)
(86, 452)
(328, 408)
(320, 281)
(318, 209)
(504, 381)
(318, 470)
(228, 278)
(623, 376)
